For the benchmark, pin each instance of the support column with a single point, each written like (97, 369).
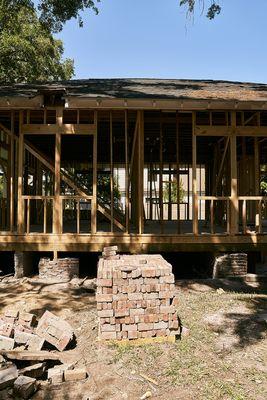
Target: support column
(137, 170)
(194, 178)
(12, 171)
(126, 172)
(94, 201)
(141, 172)
(57, 206)
(234, 194)
(23, 264)
(20, 177)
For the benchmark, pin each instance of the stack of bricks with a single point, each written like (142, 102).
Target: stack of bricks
(21, 328)
(59, 269)
(231, 264)
(135, 297)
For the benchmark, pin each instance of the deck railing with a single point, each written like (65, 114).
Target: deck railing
(210, 216)
(28, 200)
(73, 204)
(252, 212)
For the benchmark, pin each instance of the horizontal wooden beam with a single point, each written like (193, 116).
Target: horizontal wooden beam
(36, 103)
(65, 129)
(206, 130)
(132, 243)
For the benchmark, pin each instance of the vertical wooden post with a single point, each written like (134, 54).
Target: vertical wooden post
(234, 196)
(28, 216)
(256, 166)
(244, 216)
(111, 171)
(57, 206)
(20, 206)
(45, 216)
(78, 216)
(194, 176)
(177, 173)
(141, 173)
(94, 201)
(161, 175)
(257, 183)
(212, 216)
(126, 173)
(12, 170)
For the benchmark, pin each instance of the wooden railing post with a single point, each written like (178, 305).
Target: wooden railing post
(234, 196)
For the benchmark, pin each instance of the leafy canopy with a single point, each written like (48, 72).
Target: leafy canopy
(213, 10)
(53, 14)
(28, 50)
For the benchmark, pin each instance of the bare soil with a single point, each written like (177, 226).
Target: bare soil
(223, 357)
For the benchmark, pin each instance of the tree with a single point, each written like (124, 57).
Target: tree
(212, 10)
(52, 14)
(28, 50)
(172, 192)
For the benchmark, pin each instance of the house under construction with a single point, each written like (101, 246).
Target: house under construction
(149, 165)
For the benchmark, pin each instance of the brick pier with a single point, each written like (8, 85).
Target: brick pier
(135, 297)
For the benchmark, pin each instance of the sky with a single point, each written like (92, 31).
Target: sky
(155, 39)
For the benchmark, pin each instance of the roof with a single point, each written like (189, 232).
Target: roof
(144, 89)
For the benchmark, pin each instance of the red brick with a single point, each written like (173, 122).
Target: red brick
(6, 329)
(137, 311)
(6, 343)
(55, 330)
(131, 327)
(104, 282)
(104, 298)
(105, 313)
(161, 325)
(75, 374)
(135, 296)
(166, 309)
(142, 326)
(122, 313)
(173, 325)
(108, 328)
(132, 335)
(108, 335)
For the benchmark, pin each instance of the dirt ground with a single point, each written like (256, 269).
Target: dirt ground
(224, 356)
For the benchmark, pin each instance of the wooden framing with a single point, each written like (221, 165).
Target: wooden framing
(111, 172)
(237, 209)
(194, 176)
(234, 194)
(126, 173)
(20, 217)
(57, 209)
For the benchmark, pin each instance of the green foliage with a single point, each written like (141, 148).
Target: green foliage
(55, 13)
(263, 186)
(28, 51)
(52, 14)
(176, 192)
(103, 188)
(213, 10)
(1, 185)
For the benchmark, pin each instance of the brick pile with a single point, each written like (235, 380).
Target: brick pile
(59, 269)
(231, 264)
(135, 297)
(21, 329)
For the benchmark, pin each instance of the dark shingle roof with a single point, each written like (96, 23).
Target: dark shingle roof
(145, 89)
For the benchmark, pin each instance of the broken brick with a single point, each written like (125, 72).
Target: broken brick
(25, 387)
(55, 330)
